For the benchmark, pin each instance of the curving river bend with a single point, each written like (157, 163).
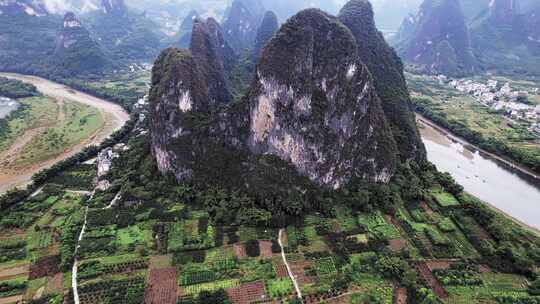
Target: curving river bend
(498, 183)
(114, 115)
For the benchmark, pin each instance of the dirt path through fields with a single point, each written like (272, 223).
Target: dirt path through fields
(289, 269)
(113, 115)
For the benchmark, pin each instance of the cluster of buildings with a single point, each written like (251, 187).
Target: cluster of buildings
(500, 97)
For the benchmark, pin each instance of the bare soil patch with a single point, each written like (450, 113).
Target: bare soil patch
(10, 300)
(426, 274)
(281, 271)
(161, 287)
(11, 273)
(266, 249)
(397, 244)
(400, 295)
(240, 251)
(44, 267)
(248, 293)
(440, 264)
(160, 261)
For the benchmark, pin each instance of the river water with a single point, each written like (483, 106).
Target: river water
(7, 105)
(494, 182)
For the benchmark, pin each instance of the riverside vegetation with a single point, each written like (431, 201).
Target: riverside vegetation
(477, 124)
(163, 225)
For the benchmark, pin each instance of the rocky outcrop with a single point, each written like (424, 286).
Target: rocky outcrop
(387, 70)
(26, 7)
(185, 30)
(240, 26)
(532, 31)
(114, 7)
(178, 88)
(76, 51)
(211, 51)
(503, 12)
(406, 29)
(125, 35)
(314, 104)
(268, 27)
(312, 114)
(440, 26)
(506, 40)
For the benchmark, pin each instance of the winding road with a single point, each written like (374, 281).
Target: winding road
(114, 116)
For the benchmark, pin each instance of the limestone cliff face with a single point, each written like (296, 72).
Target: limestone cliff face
(186, 27)
(313, 103)
(240, 26)
(532, 30)
(210, 50)
(440, 26)
(26, 7)
(387, 70)
(178, 88)
(503, 12)
(268, 27)
(312, 111)
(75, 50)
(114, 7)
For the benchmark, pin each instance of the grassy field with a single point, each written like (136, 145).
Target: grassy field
(51, 128)
(34, 112)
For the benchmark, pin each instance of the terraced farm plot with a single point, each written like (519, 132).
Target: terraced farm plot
(376, 225)
(325, 266)
(194, 290)
(444, 199)
(248, 293)
(494, 285)
(161, 287)
(279, 288)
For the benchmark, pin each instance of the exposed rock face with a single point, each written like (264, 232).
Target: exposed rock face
(185, 29)
(178, 88)
(27, 7)
(441, 26)
(114, 7)
(532, 30)
(268, 27)
(507, 40)
(387, 70)
(407, 28)
(256, 7)
(210, 51)
(126, 36)
(312, 107)
(503, 11)
(75, 50)
(226, 53)
(314, 104)
(240, 26)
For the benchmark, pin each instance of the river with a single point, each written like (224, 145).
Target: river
(500, 185)
(7, 106)
(114, 116)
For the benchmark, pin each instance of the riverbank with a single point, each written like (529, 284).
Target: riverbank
(113, 116)
(449, 134)
(497, 187)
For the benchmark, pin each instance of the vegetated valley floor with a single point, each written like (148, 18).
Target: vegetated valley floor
(128, 255)
(171, 251)
(50, 128)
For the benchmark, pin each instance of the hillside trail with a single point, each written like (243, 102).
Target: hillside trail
(289, 269)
